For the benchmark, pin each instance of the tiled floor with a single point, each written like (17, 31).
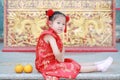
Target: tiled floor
(9, 60)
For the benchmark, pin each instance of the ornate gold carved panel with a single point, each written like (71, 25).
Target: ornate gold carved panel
(91, 25)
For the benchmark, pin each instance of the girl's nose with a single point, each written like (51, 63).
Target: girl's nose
(61, 25)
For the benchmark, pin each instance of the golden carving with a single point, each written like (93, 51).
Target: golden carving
(90, 23)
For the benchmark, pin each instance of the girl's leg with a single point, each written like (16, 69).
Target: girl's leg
(103, 66)
(87, 64)
(95, 63)
(88, 69)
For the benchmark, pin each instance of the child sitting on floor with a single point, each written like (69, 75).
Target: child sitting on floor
(50, 59)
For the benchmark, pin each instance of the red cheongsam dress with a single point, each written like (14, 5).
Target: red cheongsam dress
(46, 63)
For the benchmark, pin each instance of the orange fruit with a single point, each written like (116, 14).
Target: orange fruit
(28, 68)
(19, 68)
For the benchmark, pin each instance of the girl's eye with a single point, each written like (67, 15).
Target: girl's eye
(58, 22)
(63, 24)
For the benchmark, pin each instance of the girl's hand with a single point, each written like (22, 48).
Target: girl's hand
(60, 57)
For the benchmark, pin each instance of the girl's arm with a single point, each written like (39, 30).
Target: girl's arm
(58, 55)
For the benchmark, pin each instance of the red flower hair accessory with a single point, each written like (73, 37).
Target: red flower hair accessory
(67, 18)
(50, 12)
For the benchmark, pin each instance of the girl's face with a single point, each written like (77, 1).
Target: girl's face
(58, 24)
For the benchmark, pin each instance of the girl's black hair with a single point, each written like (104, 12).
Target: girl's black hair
(55, 13)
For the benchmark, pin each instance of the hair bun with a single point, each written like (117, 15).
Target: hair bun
(49, 12)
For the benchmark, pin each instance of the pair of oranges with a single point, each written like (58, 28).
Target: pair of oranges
(19, 68)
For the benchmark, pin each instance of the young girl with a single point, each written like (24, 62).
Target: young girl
(50, 59)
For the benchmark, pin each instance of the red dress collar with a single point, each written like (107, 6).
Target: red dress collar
(52, 30)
